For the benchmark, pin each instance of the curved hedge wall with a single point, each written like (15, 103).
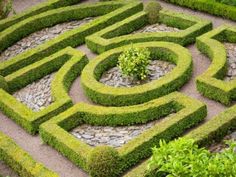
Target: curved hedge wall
(24, 116)
(118, 11)
(189, 112)
(42, 7)
(118, 34)
(107, 95)
(51, 56)
(213, 130)
(210, 83)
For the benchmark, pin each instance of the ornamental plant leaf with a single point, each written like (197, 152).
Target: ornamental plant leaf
(134, 61)
(183, 158)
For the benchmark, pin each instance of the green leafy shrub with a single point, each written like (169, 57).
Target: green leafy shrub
(183, 157)
(5, 8)
(134, 61)
(153, 8)
(104, 162)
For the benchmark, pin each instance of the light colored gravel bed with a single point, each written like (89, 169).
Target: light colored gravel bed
(39, 37)
(36, 95)
(112, 136)
(231, 57)
(156, 28)
(157, 69)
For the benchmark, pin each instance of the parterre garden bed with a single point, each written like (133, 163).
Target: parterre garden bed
(39, 64)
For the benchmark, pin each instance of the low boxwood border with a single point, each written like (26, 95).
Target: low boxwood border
(42, 7)
(62, 60)
(214, 130)
(210, 83)
(117, 10)
(108, 95)
(209, 6)
(189, 112)
(20, 161)
(118, 34)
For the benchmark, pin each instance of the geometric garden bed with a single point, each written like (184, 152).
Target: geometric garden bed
(140, 116)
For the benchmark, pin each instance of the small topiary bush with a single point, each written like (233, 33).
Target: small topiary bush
(182, 157)
(152, 8)
(104, 162)
(134, 61)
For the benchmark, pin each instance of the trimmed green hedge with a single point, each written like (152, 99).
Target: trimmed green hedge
(119, 34)
(216, 128)
(108, 95)
(213, 130)
(3, 83)
(189, 112)
(209, 6)
(24, 116)
(210, 83)
(32, 64)
(118, 11)
(42, 7)
(20, 161)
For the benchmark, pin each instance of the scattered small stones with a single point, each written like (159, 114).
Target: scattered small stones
(36, 95)
(6, 171)
(112, 136)
(231, 57)
(156, 28)
(156, 68)
(40, 37)
(218, 147)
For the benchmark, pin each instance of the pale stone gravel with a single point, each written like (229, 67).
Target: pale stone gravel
(37, 95)
(40, 37)
(156, 69)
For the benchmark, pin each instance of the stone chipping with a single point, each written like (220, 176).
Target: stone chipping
(37, 95)
(111, 136)
(231, 57)
(39, 37)
(156, 68)
(156, 28)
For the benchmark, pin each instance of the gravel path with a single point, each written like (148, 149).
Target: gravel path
(47, 155)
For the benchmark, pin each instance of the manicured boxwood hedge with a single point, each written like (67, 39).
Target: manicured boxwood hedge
(32, 64)
(42, 7)
(209, 6)
(210, 83)
(24, 116)
(189, 112)
(107, 95)
(213, 130)
(118, 11)
(119, 33)
(20, 161)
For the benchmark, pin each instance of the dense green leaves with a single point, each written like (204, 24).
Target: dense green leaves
(134, 61)
(104, 161)
(183, 157)
(153, 8)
